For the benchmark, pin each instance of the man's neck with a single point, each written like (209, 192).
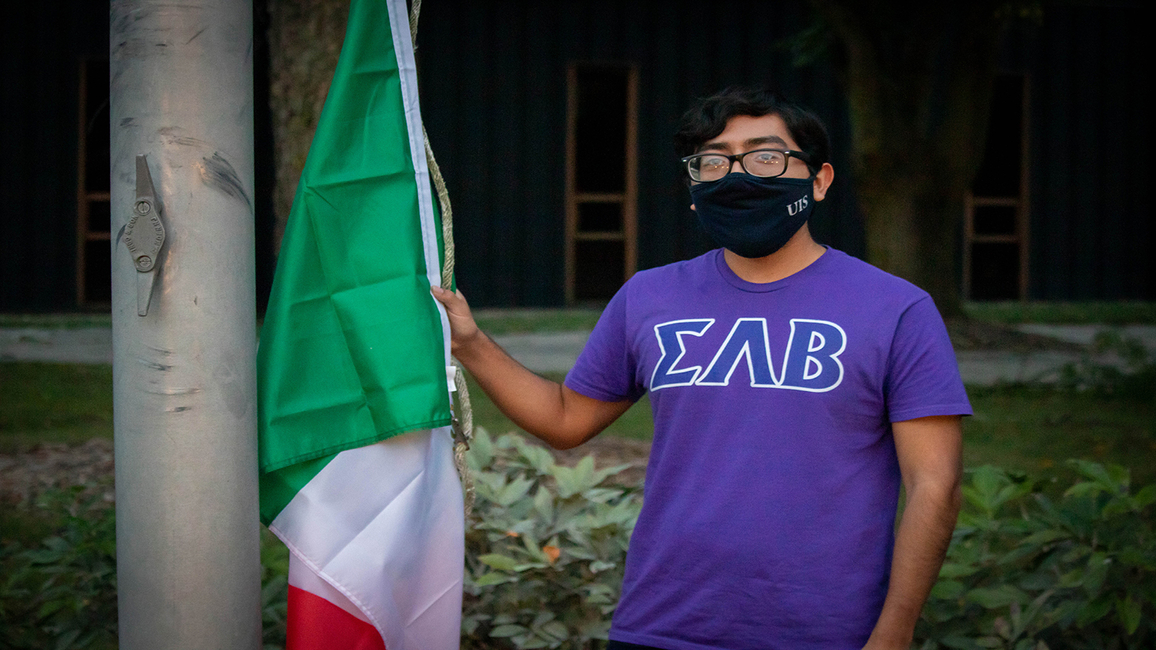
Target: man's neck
(797, 254)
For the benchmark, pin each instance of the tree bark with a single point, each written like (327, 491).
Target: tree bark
(918, 82)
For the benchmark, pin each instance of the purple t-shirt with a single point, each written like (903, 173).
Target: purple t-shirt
(771, 490)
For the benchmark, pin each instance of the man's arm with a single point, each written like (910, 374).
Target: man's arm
(930, 460)
(559, 416)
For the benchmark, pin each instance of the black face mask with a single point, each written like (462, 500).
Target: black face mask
(752, 216)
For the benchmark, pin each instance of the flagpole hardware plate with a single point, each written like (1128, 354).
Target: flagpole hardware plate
(144, 235)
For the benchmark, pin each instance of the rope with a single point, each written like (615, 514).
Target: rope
(447, 213)
(463, 426)
(414, 12)
(462, 441)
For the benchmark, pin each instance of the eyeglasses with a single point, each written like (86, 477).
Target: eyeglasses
(764, 163)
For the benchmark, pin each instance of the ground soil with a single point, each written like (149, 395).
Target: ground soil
(24, 476)
(967, 334)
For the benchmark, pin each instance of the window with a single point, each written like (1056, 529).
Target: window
(995, 253)
(93, 216)
(601, 180)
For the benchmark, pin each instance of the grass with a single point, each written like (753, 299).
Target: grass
(635, 424)
(1125, 312)
(55, 321)
(1027, 428)
(1020, 427)
(521, 321)
(56, 403)
(1034, 428)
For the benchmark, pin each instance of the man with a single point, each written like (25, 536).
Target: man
(793, 388)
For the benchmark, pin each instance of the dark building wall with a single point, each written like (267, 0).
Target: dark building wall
(42, 43)
(494, 99)
(493, 79)
(1091, 129)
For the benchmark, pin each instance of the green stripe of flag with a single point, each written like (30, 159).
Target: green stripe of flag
(352, 349)
(280, 486)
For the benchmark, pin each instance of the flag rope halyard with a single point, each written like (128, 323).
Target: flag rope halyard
(463, 424)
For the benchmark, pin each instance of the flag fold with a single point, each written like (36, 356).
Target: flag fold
(357, 476)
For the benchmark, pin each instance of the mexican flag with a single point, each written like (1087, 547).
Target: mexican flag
(357, 475)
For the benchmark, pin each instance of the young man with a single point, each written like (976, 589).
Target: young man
(793, 388)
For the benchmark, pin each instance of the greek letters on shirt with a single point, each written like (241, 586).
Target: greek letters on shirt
(810, 360)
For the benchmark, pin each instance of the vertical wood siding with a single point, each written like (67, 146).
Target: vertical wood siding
(494, 97)
(493, 81)
(1091, 221)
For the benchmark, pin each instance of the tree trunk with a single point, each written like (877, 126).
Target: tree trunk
(912, 231)
(918, 82)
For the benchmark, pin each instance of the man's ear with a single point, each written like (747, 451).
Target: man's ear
(823, 179)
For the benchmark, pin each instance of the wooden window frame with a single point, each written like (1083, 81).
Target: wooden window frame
(628, 235)
(1021, 203)
(84, 198)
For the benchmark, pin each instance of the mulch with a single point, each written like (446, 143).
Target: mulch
(26, 475)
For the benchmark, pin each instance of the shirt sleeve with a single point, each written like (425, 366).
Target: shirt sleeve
(607, 369)
(922, 374)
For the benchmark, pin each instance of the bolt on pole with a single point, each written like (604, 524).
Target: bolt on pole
(184, 331)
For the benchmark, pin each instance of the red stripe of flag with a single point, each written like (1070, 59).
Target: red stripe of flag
(317, 624)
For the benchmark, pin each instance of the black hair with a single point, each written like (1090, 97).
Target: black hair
(708, 117)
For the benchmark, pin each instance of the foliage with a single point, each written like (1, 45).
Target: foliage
(1031, 571)
(1031, 566)
(274, 590)
(61, 593)
(545, 551)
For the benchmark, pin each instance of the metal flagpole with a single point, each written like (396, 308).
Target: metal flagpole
(184, 332)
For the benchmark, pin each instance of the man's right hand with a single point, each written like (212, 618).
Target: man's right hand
(463, 330)
(558, 415)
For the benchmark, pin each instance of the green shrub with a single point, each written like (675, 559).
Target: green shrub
(1029, 571)
(545, 548)
(274, 590)
(62, 593)
(1030, 566)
